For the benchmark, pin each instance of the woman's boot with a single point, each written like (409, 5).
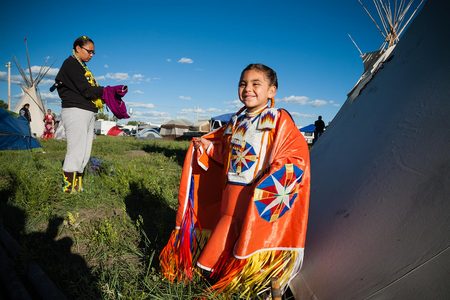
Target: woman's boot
(79, 182)
(69, 182)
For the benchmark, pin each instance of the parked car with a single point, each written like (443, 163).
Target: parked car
(148, 133)
(188, 135)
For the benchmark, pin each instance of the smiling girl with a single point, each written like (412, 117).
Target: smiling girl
(244, 196)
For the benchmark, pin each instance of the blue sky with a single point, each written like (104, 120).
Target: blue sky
(182, 59)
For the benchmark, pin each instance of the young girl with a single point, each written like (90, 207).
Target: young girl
(244, 195)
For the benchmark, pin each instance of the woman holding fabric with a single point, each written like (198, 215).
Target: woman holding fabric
(81, 99)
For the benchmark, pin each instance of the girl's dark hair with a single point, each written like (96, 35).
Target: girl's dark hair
(81, 41)
(269, 72)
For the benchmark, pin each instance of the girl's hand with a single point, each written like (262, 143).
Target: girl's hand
(199, 141)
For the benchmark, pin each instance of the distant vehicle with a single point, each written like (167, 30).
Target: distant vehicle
(102, 126)
(148, 133)
(129, 129)
(188, 135)
(219, 121)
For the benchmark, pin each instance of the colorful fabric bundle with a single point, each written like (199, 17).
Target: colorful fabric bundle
(243, 206)
(112, 95)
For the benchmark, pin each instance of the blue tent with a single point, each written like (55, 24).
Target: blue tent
(308, 128)
(15, 133)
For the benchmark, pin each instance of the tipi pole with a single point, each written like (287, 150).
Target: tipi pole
(28, 58)
(373, 20)
(354, 43)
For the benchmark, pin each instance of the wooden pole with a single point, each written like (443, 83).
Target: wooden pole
(275, 288)
(8, 65)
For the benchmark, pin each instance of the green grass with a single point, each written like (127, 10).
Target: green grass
(102, 243)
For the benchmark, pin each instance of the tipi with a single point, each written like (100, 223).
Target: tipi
(393, 17)
(379, 216)
(32, 96)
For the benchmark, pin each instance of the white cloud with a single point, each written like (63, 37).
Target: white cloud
(169, 60)
(302, 115)
(117, 76)
(185, 97)
(140, 104)
(151, 113)
(235, 104)
(153, 117)
(213, 110)
(138, 92)
(47, 81)
(17, 79)
(318, 102)
(51, 71)
(185, 60)
(303, 100)
(106, 66)
(295, 99)
(138, 77)
(193, 110)
(48, 95)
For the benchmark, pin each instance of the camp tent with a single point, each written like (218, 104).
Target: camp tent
(200, 126)
(379, 221)
(115, 131)
(309, 128)
(15, 133)
(308, 133)
(175, 128)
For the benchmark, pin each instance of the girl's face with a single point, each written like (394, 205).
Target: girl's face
(255, 89)
(85, 52)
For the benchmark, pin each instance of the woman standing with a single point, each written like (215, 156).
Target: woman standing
(81, 99)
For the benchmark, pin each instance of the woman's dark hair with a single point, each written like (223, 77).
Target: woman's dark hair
(81, 41)
(269, 72)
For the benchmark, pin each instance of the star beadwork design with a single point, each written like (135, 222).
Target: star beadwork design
(276, 194)
(243, 159)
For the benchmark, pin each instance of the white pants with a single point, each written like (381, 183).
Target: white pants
(79, 126)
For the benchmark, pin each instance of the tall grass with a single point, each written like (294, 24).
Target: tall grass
(102, 243)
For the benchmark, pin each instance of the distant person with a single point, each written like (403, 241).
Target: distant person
(49, 125)
(81, 99)
(244, 194)
(25, 112)
(319, 125)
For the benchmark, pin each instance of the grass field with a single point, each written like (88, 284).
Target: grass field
(102, 243)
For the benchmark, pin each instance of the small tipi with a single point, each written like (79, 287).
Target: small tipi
(32, 96)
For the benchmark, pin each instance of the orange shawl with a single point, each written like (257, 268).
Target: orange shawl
(275, 219)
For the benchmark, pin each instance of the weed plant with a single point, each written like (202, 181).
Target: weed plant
(104, 242)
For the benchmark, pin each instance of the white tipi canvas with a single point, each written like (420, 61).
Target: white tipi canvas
(32, 96)
(380, 179)
(37, 110)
